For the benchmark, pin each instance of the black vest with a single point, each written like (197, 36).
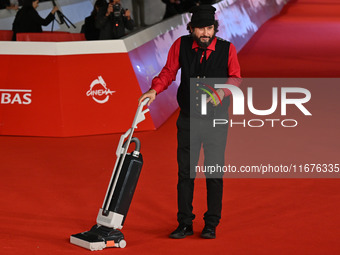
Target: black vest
(216, 66)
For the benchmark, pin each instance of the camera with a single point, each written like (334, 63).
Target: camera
(117, 9)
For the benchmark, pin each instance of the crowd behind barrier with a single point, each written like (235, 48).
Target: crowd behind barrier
(142, 12)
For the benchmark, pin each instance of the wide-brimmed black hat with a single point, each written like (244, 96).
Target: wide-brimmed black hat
(202, 15)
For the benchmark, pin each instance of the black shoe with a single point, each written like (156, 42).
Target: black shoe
(208, 232)
(182, 231)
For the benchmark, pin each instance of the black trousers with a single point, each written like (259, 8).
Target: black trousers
(190, 142)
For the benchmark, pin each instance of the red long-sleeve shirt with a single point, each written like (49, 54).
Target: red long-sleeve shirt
(169, 71)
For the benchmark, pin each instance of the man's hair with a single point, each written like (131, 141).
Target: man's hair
(98, 4)
(28, 3)
(215, 26)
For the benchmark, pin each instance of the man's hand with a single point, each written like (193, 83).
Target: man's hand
(127, 14)
(149, 94)
(220, 93)
(109, 9)
(55, 8)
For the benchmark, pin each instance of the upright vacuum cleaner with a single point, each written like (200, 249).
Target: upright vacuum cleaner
(106, 233)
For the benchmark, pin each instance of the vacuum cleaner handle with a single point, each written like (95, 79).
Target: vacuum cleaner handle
(139, 117)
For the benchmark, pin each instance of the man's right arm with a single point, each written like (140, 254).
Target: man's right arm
(167, 75)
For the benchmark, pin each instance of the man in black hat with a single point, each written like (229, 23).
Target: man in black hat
(200, 55)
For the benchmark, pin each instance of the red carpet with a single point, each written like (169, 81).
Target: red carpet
(302, 42)
(52, 188)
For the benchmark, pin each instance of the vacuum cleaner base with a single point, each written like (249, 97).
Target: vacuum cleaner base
(98, 238)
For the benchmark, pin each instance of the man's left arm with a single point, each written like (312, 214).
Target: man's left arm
(128, 21)
(234, 72)
(233, 64)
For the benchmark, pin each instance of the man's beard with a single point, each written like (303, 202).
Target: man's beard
(203, 45)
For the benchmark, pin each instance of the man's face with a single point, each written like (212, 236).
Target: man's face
(35, 4)
(203, 35)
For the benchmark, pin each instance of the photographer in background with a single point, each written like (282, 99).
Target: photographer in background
(112, 20)
(28, 20)
(89, 28)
